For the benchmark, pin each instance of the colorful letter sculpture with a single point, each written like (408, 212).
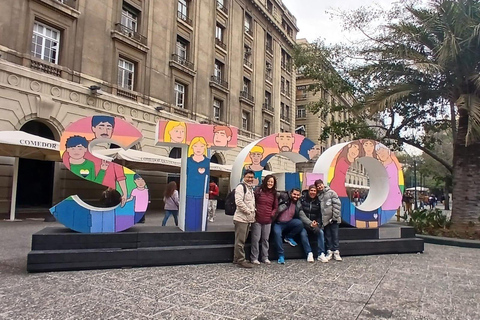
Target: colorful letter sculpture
(256, 155)
(385, 174)
(76, 149)
(196, 141)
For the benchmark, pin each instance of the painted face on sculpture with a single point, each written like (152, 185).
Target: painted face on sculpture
(383, 154)
(368, 147)
(198, 149)
(270, 183)
(285, 141)
(77, 152)
(353, 151)
(103, 130)
(140, 182)
(256, 157)
(220, 139)
(314, 152)
(177, 134)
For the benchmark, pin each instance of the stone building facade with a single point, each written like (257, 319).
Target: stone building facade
(207, 61)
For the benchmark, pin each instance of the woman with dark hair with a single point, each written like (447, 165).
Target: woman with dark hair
(170, 198)
(347, 156)
(266, 204)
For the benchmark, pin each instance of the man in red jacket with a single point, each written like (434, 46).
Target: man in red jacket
(212, 200)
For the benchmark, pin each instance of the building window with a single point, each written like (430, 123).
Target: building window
(282, 110)
(248, 23)
(126, 73)
(182, 46)
(182, 12)
(282, 85)
(269, 43)
(247, 56)
(246, 85)
(268, 99)
(45, 42)
(218, 71)
(266, 128)
(179, 95)
(219, 32)
(301, 112)
(245, 120)
(217, 109)
(287, 88)
(129, 18)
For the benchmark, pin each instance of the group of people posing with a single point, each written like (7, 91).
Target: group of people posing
(291, 215)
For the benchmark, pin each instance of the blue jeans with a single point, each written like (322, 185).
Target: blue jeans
(292, 228)
(168, 213)
(331, 236)
(320, 241)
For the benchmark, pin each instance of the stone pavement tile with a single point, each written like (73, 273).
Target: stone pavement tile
(331, 309)
(232, 284)
(185, 313)
(104, 296)
(142, 306)
(285, 306)
(191, 288)
(277, 292)
(190, 300)
(239, 297)
(233, 310)
(148, 291)
(273, 315)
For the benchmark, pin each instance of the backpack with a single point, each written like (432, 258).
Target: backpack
(230, 205)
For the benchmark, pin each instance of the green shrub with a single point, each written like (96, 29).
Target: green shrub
(428, 221)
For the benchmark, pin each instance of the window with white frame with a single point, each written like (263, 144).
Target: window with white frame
(219, 32)
(248, 22)
(266, 128)
(179, 95)
(126, 74)
(217, 109)
(45, 42)
(129, 18)
(183, 9)
(301, 112)
(217, 72)
(182, 46)
(246, 85)
(245, 120)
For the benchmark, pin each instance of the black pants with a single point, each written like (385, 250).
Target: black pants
(331, 236)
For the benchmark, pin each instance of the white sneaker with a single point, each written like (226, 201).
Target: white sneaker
(210, 219)
(255, 262)
(336, 255)
(322, 258)
(329, 255)
(310, 257)
(266, 261)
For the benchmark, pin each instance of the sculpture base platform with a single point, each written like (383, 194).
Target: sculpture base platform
(60, 249)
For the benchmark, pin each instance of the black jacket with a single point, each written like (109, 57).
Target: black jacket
(311, 207)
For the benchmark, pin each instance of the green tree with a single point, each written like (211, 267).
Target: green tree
(416, 75)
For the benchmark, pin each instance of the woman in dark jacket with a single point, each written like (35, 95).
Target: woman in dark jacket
(266, 204)
(311, 216)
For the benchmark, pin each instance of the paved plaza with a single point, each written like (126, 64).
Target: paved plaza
(441, 283)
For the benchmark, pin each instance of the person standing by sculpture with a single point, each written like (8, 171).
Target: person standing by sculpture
(266, 203)
(212, 200)
(170, 198)
(330, 208)
(244, 216)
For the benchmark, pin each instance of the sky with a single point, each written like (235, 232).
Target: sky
(315, 23)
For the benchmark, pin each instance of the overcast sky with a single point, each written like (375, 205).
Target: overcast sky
(315, 23)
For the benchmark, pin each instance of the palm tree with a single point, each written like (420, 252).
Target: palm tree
(426, 58)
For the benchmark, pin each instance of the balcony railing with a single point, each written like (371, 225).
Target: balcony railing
(126, 94)
(182, 61)
(222, 8)
(301, 114)
(130, 33)
(183, 17)
(244, 94)
(268, 77)
(268, 107)
(37, 65)
(249, 31)
(219, 81)
(220, 43)
(247, 63)
(70, 3)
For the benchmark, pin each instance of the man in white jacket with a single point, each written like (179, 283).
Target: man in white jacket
(244, 216)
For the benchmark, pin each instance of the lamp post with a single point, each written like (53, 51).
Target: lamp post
(415, 182)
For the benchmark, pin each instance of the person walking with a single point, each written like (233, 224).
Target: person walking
(266, 204)
(288, 222)
(212, 200)
(243, 217)
(330, 208)
(311, 216)
(170, 198)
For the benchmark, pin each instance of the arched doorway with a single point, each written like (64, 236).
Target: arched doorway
(35, 177)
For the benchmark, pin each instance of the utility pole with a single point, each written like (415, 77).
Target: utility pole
(415, 182)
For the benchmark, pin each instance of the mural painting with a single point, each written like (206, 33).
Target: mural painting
(77, 143)
(386, 185)
(257, 154)
(196, 141)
